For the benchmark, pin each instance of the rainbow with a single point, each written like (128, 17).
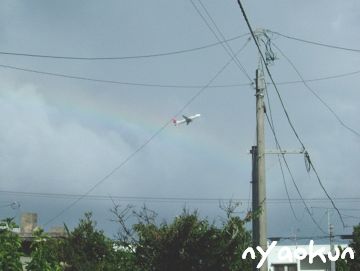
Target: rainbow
(126, 117)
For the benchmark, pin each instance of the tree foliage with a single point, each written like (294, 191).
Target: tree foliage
(44, 253)
(355, 245)
(342, 264)
(189, 242)
(10, 248)
(87, 248)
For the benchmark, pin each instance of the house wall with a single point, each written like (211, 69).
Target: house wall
(317, 265)
(303, 265)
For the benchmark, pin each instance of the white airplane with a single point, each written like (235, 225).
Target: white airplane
(185, 119)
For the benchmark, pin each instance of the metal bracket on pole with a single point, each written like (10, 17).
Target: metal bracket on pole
(282, 152)
(285, 152)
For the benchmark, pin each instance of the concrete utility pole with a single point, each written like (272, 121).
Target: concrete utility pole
(255, 201)
(259, 185)
(331, 239)
(259, 224)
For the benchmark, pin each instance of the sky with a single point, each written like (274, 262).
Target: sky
(63, 136)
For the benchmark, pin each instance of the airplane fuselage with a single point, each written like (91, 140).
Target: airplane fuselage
(186, 119)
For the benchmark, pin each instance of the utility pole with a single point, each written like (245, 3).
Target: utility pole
(255, 201)
(259, 222)
(259, 185)
(331, 240)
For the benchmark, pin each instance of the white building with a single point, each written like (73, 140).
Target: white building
(275, 263)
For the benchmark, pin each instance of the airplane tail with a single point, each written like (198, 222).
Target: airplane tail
(173, 121)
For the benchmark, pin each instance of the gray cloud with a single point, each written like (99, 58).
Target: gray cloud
(61, 135)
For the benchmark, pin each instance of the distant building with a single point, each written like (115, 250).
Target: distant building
(28, 223)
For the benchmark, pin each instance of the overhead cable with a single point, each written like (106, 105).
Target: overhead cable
(331, 110)
(315, 42)
(271, 122)
(52, 195)
(143, 145)
(161, 85)
(176, 52)
(284, 108)
(292, 177)
(220, 37)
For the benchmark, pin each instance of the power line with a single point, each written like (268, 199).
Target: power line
(159, 85)
(331, 110)
(304, 237)
(325, 191)
(343, 209)
(315, 42)
(176, 52)
(278, 156)
(292, 176)
(169, 199)
(335, 76)
(272, 129)
(242, 68)
(225, 45)
(286, 189)
(351, 216)
(321, 220)
(269, 73)
(285, 110)
(282, 170)
(142, 146)
(103, 179)
(113, 81)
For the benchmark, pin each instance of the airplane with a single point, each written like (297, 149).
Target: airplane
(185, 119)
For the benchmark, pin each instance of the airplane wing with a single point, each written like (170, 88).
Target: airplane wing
(187, 119)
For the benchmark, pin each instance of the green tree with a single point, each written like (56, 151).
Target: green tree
(124, 260)
(87, 248)
(189, 242)
(44, 253)
(10, 247)
(342, 264)
(355, 245)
